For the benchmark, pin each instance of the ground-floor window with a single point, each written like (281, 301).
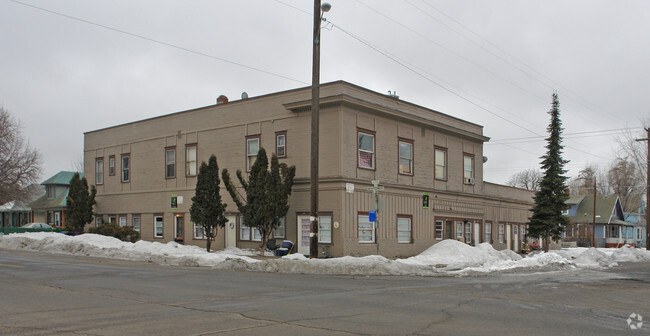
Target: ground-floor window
(404, 229)
(439, 229)
(612, 231)
(325, 229)
(468, 232)
(522, 233)
(366, 229)
(136, 223)
(487, 230)
(279, 232)
(501, 233)
(248, 233)
(158, 226)
(459, 231)
(122, 221)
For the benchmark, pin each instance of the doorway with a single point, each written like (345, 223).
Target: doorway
(179, 228)
(477, 233)
(231, 231)
(304, 228)
(509, 236)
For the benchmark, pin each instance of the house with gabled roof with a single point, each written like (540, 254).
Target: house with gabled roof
(50, 208)
(611, 228)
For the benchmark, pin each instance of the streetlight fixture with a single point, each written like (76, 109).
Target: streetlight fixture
(315, 86)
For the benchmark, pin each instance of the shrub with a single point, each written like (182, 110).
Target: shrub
(127, 233)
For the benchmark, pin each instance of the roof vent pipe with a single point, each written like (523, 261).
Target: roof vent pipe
(222, 99)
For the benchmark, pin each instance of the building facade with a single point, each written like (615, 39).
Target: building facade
(50, 208)
(429, 163)
(611, 228)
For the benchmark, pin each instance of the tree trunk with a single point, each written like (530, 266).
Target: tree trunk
(547, 241)
(208, 243)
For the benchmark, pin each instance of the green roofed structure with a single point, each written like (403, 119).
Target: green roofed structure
(50, 208)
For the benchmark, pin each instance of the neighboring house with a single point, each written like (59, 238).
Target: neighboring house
(50, 208)
(18, 213)
(145, 173)
(611, 228)
(638, 219)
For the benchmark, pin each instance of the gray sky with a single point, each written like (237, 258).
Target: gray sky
(94, 64)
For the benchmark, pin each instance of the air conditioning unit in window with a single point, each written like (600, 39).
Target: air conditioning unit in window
(469, 180)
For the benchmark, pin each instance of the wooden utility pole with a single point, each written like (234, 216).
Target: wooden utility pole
(593, 229)
(647, 190)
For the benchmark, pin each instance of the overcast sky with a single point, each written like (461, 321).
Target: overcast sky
(68, 67)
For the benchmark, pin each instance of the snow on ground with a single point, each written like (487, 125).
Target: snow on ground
(448, 257)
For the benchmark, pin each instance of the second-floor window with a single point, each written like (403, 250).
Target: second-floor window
(468, 169)
(126, 168)
(406, 157)
(111, 165)
(366, 155)
(99, 171)
(170, 162)
(281, 144)
(252, 147)
(190, 160)
(51, 192)
(440, 159)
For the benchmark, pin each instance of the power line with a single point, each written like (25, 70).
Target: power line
(159, 42)
(576, 135)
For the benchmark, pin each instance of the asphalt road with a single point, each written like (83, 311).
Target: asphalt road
(44, 294)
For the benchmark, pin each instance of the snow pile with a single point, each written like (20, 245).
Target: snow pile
(448, 257)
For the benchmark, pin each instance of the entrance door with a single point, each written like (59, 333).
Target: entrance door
(509, 236)
(304, 228)
(449, 230)
(477, 233)
(179, 227)
(231, 231)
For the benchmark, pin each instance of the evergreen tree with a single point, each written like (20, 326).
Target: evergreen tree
(267, 194)
(547, 220)
(207, 209)
(79, 205)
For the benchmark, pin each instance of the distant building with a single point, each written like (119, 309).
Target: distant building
(638, 219)
(430, 164)
(50, 208)
(611, 228)
(19, 213)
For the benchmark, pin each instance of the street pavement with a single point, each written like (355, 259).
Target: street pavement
(46, 294)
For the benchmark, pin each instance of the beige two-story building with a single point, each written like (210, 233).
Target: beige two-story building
(145, 172)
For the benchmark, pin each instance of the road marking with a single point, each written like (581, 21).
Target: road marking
(15, 266)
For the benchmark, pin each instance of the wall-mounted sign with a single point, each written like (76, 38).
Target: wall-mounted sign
(425, 201)
(174, 201)
(179, 199)
(372, 216)
(349, 188)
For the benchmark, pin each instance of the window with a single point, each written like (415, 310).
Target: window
(468, 169)
(111, 165)
(279, 232)
(459, 231)
(439, 224)
(252, 147)
(99, 171)
(281, 144)
(565, 212)
(136, 223)
(198, 231)
(325, 229)
(257, 236)
(98, 220)
(51, 192)
(366, 229)
(122, 221)
(440, 159)
(404, 229)
(57, 219)
(487, 231)
(406, 157)
(170, 162)
(190, 160)
(612, 231)
(501, 232)
(522, 233)
(366, 155)
(126, 168)
(244, 230)
(468, 232)
(158, 227)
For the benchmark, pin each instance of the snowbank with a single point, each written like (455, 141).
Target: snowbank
(448, 257)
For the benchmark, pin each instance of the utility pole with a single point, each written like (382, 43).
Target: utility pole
(647, 190)
(593, 229)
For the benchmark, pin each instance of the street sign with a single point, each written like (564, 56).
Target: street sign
(372, 216)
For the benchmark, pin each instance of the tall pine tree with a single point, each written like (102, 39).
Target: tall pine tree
(267, 194)
(79, 204)
(547, 220)
(207, 209)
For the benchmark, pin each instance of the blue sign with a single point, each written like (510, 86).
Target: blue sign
(373, 216)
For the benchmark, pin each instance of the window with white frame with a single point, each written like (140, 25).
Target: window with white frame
(565, 212)
(158, 226)
(244, 230)
(126, 168)
(190, 160)
(280, 231)
(366, 229)
(501, 233)
(170, 162)
(459, 231)
(468, 169)
(257, 236)
(98, 220)
(51, 192)
(122, 221)
(406, 157)
(404, 229)
(136, 223)
(440, 162)
(281, 144)
(99, 171)
(522, 233)
(366, 150)
(468, 232)
(439, 225)
(325, 229)
(198, 231)
(487, 231)
(252, 148)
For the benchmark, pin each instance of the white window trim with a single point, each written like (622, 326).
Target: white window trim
(122, 221)
(487, 232)
(155, 222)
(99, 171)
(196, 227)
(278, 145)
(139, 226)
(189, 164)
(249, 162)
(410, 228)
(127, 169)
(283, 225)
(321, 229)
(410, 159)
(372, 152)
(437, 164)
(467, 179)
(170, 163)
(372, 229)
(439, 230)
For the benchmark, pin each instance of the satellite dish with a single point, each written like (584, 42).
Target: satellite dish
(244, 95)
(484, 159)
